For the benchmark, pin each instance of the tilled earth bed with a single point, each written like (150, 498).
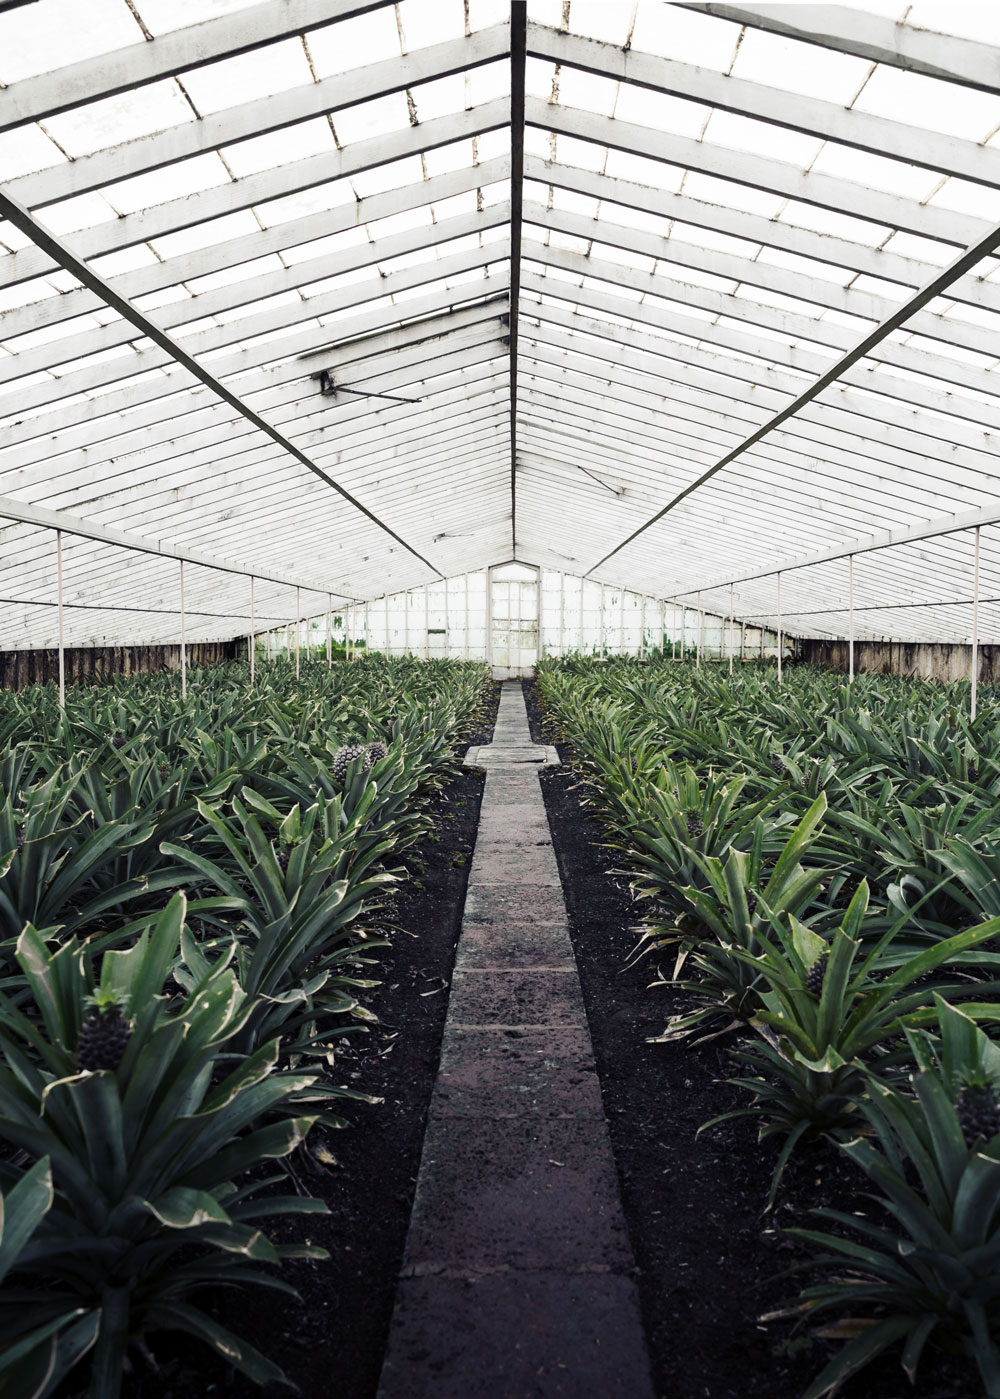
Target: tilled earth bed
(331, 1340)
(710, 1260)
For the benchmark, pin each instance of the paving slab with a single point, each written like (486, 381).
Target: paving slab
(507, 1073)
(513, 905)
(519, 996)
(517, 1336)
(517, 1277)
(521, 1193)
(524, 945)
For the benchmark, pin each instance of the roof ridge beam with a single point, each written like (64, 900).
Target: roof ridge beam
(257, 118)
(250, 247)
(865, 34)
(180, 50)
(777, 177)
(218, 201)
(827, 121)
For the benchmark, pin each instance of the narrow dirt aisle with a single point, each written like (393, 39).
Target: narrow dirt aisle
(517, 1279)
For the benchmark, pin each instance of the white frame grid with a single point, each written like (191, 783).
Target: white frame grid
(676, 298)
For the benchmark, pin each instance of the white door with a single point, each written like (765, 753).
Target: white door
(513, 620)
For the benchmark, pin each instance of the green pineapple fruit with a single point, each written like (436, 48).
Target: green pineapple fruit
(376, 751)
(815, 976)
(346, 755)
(695, 825)
(104, 1034)
(977, 1108)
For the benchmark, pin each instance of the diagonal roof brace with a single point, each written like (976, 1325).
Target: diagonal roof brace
(22, 219)
(897, 318)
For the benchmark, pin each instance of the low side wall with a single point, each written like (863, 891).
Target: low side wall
(929, 660)
(21, 668)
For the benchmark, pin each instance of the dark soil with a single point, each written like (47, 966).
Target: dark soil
(708, 1256)
(331, 1340)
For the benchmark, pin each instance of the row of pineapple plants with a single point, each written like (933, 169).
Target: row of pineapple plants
(819, 869)
(190, 918)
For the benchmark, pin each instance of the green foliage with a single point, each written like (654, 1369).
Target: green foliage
(208, 1015)
(933, 1267)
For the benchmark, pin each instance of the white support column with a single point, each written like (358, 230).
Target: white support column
(184, 658)
(581, 616)
(621, 621)
(407, 599)
(251, 639)
(673, 639)
(780, 642)
(329, 631)
(447, 621)
(604, 620)
(298, 628)
(850, 622)
(699, 635)
(562, 613)
(642, 627)
(974, 667)
(366, 628)
(732, 630)
(348, 632)
(59, 620)
(427, 622)
(467, 646)
(743, 642)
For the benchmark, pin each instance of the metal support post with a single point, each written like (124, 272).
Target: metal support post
(59, 620)
(252, 640)
(298, 628)
(732, 629)
(850, 623)
(780, 642)
(974, 673)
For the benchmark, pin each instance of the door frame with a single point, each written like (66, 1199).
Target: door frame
(496, 568)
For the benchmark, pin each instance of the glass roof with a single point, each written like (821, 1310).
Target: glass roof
(346, 297)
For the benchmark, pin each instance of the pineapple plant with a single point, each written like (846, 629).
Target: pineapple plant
(976, 1107)
(376, 752)
(816, 974)
(777, 764)
(695, 825)
(345, 755)
(104, 1034)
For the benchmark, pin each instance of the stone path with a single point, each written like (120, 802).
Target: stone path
(516, 1282)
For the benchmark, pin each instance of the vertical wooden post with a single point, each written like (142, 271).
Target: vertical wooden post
(59, 620)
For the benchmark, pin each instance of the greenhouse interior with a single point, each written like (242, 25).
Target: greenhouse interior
(499, 699)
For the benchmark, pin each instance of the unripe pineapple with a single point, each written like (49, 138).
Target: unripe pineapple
(777, 764)
(346, 755)
(751, 904)
(119, 740)
(104, 1034)
(977, 1109)
(815, 976)
(282, 858)
(376, 751)
(695, 825)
